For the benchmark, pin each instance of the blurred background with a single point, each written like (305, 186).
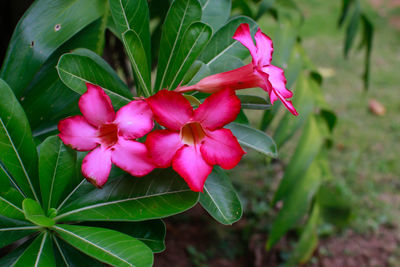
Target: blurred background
(363, 156)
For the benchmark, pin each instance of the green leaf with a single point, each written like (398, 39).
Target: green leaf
(220, 198)
(160, 194)
(215, 13)
(253, 102)
(307, 149)
(152, 232)
(352, 28)
(254, 139)
(56, 171)
(11, 230)
(47, 99)
(368, 34)
(10, 203)
(308, 240)
(106, 245)
(181, 15)
(335, 202)
(304, 101)
(346, 4)
(18, 152)
(34, 213)
(133, 15)
(39, 253)
(222, 44)
(284, 41)
(295, 65)
(194, 41)
(135, 50)
(73, 257)
(82, 66)
(44, 27)
(14, 255)
(296, 202)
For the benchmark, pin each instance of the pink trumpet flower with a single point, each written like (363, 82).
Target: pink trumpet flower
(259, 73)
(194, 140)
(109, 135)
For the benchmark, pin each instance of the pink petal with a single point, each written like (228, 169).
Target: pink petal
(162, 146)
(276, 77)
(189, 163)
(240, 78)
(170, 109)
(95, 105)
(264, 48)
(134, 119)
(243, 35)
(218, 109)
(132, 157)
(78, 133)
(220, 147)
(275, 85)
(96, 166)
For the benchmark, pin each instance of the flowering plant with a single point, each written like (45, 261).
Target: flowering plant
(92, 158)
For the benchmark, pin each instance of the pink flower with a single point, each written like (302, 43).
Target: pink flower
(194, 140)
(259, 73)
(108, 135)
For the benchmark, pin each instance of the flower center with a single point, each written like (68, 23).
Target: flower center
(108, 134)
(192, 133)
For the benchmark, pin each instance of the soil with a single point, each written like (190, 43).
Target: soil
(195, 239)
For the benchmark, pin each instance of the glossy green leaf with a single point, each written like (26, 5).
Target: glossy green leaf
(135, 50)
(307, 149)
(82, 66)
(254, 139)
(10, 204)
(72, 257)
(47, 99)
(45, 26)
(152, 232)
(253, 102)
(222, 44)
(181, 15)
(220, 198)
(133, 15)
(34, 213)
(160, 194)
(18, 152)
(194, 40)
(308, 242)
(215, 13)
(11, 230)
(14, 255)
(106, 245)
(56, 171)
(39, 253)
(295, 203)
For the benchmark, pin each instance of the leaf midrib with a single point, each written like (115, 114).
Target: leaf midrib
(19, 159)
(173, 47)
(90, 243)
(116, 202)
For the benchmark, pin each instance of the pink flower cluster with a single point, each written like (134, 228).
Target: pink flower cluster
(191, 141)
